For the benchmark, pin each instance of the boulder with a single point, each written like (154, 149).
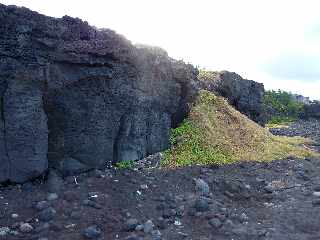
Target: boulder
(74, 97)
(245, 95)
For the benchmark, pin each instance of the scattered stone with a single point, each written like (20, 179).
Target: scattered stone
(14, 215)
(52, 196)
(268, 189)
(144, 186)
(42, 205)
(47, 214)
(215, 222)
(316, 194)
(131, 224)
(26, 228)
(139, 227)
(201, 187)
(148, 226)
(4, 231)
(201, 205)
(156, 235)
(229, 224)
(92, 232)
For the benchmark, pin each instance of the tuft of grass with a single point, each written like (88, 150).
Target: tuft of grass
(215, 133)
(280, 121)
(125, 164)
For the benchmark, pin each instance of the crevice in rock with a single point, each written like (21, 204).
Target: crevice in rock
(9, 170)
(115, 158)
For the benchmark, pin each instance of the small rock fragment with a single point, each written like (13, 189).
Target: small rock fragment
(201, 187)
(316, 194)
(42, 205)
(215, 222)
(148, 226)
(25, 228)
(139, 227)
(156, 235)
(131, 224)
(92, 232)
(52, 196)
(47, 214)
(201, 205)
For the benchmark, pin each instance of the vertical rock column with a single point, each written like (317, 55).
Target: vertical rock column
(4, 161)
(26, 131)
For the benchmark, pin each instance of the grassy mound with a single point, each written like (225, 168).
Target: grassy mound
(216, 133)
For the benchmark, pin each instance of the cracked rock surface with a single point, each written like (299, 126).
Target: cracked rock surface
(75, 98)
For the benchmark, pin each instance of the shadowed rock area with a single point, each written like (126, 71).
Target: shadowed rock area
(74, 97)
(311, 110)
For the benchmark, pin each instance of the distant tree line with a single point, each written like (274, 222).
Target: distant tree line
(282, 105)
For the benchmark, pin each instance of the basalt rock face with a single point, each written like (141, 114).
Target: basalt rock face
(311, 110)
(245, 95)
(74, 97)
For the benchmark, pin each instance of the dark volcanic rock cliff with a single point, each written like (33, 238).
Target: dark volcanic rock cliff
(74, 97)
(311, 110)
(245, 95)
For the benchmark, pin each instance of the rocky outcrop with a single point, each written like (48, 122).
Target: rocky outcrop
(311, 110)
(245, 95)
(74, 97)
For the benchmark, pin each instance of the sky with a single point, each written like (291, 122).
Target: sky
(276, 42)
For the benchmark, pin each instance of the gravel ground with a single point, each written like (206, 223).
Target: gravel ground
(303, 128)
(274, 201)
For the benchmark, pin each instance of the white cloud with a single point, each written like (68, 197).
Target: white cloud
(241, 36)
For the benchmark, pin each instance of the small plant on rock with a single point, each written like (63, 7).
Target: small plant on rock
(128, 164)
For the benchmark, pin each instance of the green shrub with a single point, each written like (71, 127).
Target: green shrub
(288, 109)
(125, 164)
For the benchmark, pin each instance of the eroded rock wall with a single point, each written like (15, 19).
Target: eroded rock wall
(74, 97)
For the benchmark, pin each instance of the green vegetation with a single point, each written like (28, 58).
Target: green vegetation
(215, 133)
(125, 164)
(284, 104)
